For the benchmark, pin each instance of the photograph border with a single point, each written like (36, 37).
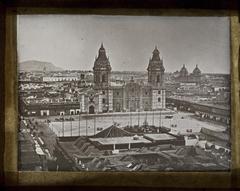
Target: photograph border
(143, 179)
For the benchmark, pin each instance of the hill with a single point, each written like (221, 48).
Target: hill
(33, 65)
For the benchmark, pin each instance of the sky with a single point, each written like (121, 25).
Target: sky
(72, 41)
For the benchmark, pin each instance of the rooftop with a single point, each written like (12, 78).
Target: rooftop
(120, 140)
(159, 137)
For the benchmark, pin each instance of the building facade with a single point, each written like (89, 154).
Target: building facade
(129, 96)
(60, 78)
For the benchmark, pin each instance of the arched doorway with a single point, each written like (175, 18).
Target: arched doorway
(91, 109)
(118, 107)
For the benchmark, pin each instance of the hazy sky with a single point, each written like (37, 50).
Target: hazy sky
(72, 41)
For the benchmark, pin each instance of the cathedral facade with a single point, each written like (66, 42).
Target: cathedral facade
(105, 96)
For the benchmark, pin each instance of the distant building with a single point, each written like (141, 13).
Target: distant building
(60, 78)
(207, 111)
(184, 77)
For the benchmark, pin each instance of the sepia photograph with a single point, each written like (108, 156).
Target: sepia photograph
(123, 93)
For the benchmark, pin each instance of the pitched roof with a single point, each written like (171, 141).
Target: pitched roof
(112, 131)
(196, 70)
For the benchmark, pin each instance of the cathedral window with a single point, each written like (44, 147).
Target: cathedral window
(103, 78)
(158, 78)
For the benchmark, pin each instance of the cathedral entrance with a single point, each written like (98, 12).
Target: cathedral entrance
(91, 109)
(118, 107)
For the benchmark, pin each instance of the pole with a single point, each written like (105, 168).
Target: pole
(160, 119)
(86, 126)
(129, 101)
(138, 117)
(63, 127)
(146, 115)
(131, 113)
(71, 124)
(161, 109)
(94, 125)
(80, 111)
(145, 120)
(130, 118)
(79, 125)
(153, 119)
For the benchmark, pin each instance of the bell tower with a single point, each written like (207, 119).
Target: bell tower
(101, 69)
(156, 81)
(156, 69)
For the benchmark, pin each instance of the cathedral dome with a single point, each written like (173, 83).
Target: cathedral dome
(183, 71)
(196, 71)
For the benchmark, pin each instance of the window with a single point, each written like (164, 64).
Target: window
(159, 99)
(146, 93)
(117, 93)
(103, 92)
(159, 92)
(103, 100)
(103, 78)
(158, 78)
(82, 76)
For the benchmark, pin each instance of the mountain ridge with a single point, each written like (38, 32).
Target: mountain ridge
(35, 65)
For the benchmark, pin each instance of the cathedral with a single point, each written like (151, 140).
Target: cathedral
(105, 96)
(185, 77)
